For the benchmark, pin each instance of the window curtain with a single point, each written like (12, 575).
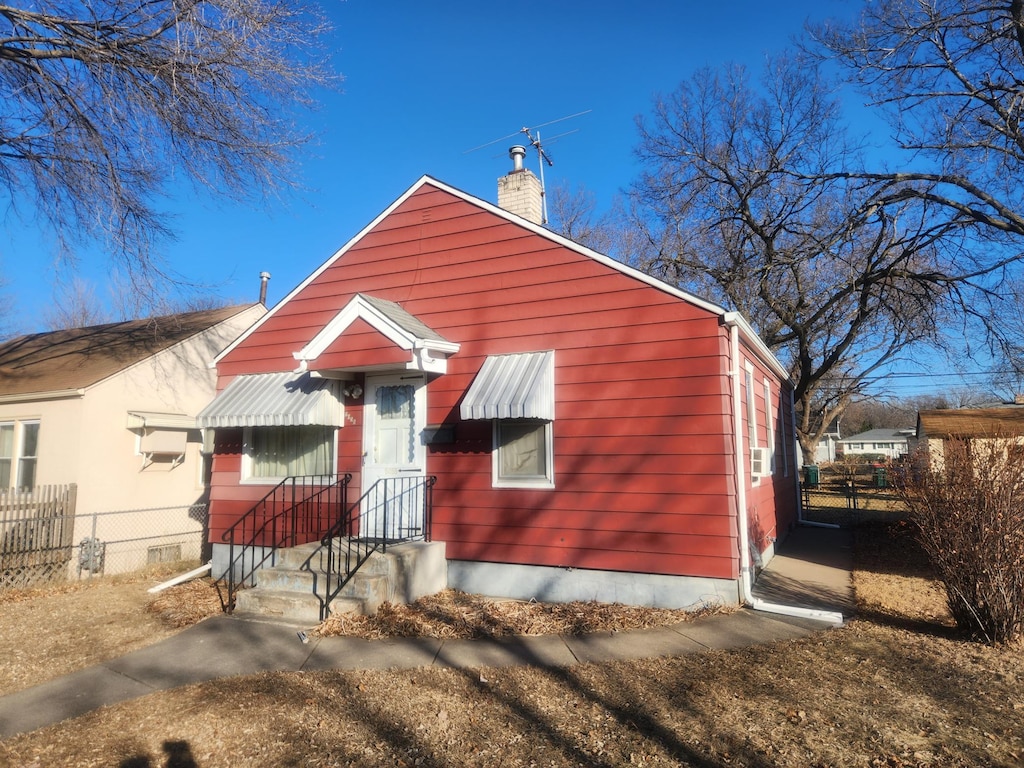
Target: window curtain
(27, 458)
(291, 451)
(521, 449)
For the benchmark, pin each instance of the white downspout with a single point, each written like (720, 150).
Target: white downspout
(799, 496)
(743, 522)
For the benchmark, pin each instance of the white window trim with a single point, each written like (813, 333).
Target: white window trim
(756, 461)
(247, 477)
(769, 420)
(549, 451)
(13, 458)
(18, 450)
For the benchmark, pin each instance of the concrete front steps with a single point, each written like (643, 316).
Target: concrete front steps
(294, 587)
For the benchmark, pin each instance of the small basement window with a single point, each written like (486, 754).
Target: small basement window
(164, 553)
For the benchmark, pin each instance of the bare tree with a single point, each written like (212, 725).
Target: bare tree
(756, 212)
(103, 103)
(75, 305)
(948, 76)
(619, 231)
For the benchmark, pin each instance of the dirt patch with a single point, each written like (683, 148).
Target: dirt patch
(896, 689)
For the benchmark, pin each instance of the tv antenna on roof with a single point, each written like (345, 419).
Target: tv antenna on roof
(532, 134)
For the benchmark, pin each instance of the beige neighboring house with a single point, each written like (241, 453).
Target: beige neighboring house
(110, 409)
(935, 427)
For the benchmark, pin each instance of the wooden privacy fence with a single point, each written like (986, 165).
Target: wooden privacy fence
(36, 534)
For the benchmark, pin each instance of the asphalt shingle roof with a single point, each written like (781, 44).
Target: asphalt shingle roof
(972, 422)
(76, 358)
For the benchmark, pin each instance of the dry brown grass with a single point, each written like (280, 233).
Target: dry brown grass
(895, 688)
(457, 615)
(52, 631)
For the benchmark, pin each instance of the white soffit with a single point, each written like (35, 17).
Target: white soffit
(517, 386)
(276, 400)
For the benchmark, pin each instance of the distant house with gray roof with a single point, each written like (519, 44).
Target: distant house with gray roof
(888, 443)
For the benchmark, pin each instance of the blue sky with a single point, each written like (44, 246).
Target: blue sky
(424, 83)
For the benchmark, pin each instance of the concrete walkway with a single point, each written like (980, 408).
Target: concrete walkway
(811, 571)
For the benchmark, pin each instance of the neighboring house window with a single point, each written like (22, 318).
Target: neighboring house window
(28, 455)
(523, 450)
(18, 467)
(274, 453)
(6, 454)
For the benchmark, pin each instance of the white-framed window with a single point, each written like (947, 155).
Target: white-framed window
(6, 454)
(770, 414)
(523, 455)
(19, 454)
(786, 435)
(758, 457)
(273, 453)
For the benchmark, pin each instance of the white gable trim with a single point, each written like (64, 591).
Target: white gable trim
(728, 318)
(422, 358)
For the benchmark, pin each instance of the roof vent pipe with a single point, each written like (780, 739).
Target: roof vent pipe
(517, 153)
(264, 279)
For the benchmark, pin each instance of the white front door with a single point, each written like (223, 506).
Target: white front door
(394, 455)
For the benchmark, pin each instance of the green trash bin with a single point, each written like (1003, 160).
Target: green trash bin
(811, 476)
(881, 478)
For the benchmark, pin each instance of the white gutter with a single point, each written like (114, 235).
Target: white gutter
(53, 394)
(746, 576)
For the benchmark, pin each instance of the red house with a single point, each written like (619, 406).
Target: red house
(569, 427)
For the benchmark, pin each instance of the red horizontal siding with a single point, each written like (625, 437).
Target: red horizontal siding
(643, 446)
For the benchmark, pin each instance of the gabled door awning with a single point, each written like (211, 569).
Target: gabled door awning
(276, 400)
(428, 350)
(519, 386)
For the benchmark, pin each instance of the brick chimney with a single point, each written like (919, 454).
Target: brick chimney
(520, 191)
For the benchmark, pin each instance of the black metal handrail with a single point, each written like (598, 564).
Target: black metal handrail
(393, 510)
(296, 511)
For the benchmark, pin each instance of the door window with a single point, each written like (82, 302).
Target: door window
(396, 432)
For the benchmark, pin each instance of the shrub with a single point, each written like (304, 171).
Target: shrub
(967, 506)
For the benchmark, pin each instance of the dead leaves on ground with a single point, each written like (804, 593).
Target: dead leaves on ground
(453, 615)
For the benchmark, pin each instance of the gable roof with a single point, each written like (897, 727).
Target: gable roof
(971, 422)
(75, 358)
(731, 318)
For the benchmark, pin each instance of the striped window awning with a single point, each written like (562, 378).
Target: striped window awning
(518, 386)
(276, 400)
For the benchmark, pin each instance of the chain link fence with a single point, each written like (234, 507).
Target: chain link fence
(850, 494)
(42, 547)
